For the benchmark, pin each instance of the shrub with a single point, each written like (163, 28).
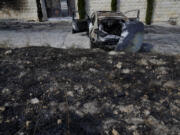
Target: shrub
(81, 9)
(149, 11)
(114, 5)
(40, 14)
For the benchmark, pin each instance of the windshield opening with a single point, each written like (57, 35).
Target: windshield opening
(111, 26)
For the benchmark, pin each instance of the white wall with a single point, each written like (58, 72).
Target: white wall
(29, 12)
(166, 9)
(125, 5)
(98, 5)
(163, 10)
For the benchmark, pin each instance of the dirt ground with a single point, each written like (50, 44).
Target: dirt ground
(48, 91)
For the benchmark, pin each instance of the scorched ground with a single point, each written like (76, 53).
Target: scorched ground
(47, 91)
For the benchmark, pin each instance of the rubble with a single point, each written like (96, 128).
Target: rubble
(34, 101)
(2, 108)
(126, 71)
(119, 65)
(170, 84)
(115, 132)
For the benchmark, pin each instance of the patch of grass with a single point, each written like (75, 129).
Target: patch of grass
(81, 9)
(114, 5)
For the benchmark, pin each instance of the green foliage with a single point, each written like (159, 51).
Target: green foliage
(40, 14)
(81, 9)
(114, 5)
(149, 11)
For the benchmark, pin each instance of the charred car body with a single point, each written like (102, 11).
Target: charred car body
(112, 30)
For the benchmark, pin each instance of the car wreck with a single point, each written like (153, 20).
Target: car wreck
(112, 30)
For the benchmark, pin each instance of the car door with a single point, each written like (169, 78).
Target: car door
(133, 14)
(79, 25)
(93, 27)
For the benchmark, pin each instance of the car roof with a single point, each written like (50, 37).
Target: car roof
(109, 14)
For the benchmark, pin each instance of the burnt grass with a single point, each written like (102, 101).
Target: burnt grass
(47, 91)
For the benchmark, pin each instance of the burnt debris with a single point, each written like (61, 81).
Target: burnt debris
(48, 91)
(13, 4)
(112, 31)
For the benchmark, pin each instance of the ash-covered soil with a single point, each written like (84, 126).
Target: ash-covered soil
(47, 91)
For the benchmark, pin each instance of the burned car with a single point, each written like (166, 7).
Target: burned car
(113, 31)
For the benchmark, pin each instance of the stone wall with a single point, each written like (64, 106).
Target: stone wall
(125, 5)
(18, 9)
(166, 10)
(163, 12)
(98, 5)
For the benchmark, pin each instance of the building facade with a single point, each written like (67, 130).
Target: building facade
(35, 9)
(164, 10)
(18, 9)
